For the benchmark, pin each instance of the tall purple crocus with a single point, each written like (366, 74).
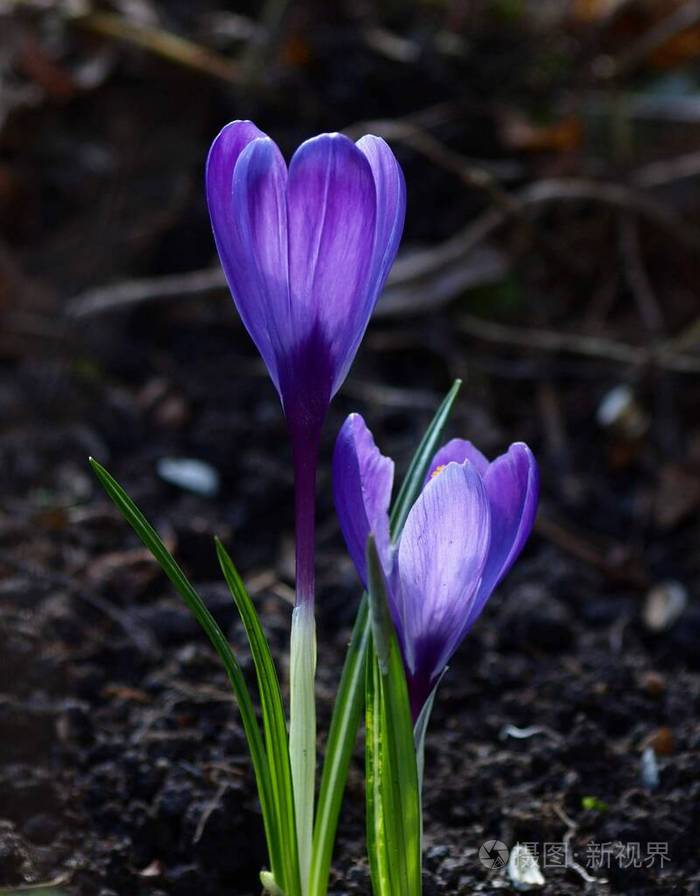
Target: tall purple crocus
(306, 252)
(461, 537)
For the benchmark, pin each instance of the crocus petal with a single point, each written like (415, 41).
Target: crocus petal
(331, 203)
(457, 451)
(259, 279)
(362, 481)
(441, 558)
(246, 183)
(390, 188)
(512, 486)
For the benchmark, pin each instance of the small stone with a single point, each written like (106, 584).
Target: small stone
(663, 605)
(190, 475)
(523, 869)
(649, 769)
(153, 869)
(620, 411)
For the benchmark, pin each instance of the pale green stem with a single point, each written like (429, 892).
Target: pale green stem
(302, 654)
(302, 730)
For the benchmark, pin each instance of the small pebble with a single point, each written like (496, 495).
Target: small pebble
(523, 869)
(663, 605)
(153, 869)
(649, 769)
(189, 474)
(619, 410)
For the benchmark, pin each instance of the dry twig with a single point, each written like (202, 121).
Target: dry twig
(664, 355)
(131, 293)
(686, 16)
(161, 43)
(667, 171)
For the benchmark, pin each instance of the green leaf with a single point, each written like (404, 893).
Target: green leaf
(420, 729)
(168, 564)
(350, 696)
(274, 723)
(380, 869)
(341, 739)
(269, 884)
(393, 798)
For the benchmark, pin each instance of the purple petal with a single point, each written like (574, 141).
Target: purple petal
(441, 557)
(362, 481)
(390, 190)
(512, 486)
(331, 202)
(246, 184)
(457, 451)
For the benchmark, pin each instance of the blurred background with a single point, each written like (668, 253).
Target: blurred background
(551, 259)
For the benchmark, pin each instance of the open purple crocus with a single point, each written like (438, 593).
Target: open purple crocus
(306, 252)
(462, 535)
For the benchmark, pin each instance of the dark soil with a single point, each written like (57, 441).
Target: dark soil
(123, 767)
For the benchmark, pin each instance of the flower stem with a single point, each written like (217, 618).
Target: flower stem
(302, 671)
(305, 456)
(302, 731)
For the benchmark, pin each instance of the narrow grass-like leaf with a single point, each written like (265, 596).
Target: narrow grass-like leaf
(421, 727)
(269, 884)
(377, 844)
(150, 538)
(274, 723)
(341, 739)
(419, 731)
(394, 827)
(350, 697)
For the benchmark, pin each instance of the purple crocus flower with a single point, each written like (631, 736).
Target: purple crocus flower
(306, 252)
(462, 535)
